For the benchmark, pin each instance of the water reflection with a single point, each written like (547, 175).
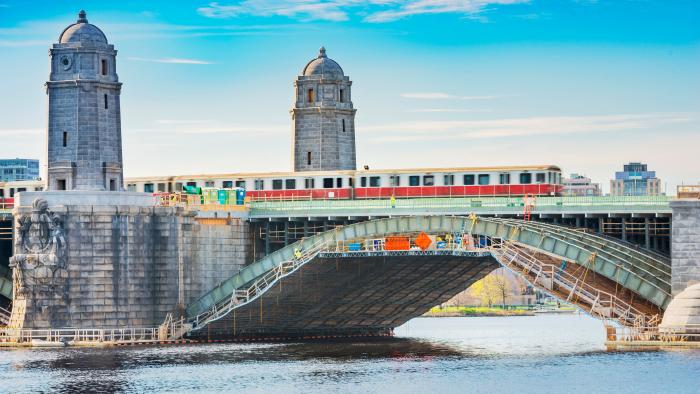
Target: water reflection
(448, 355)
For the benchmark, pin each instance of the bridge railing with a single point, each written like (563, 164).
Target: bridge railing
(464, 204)
(552, 278)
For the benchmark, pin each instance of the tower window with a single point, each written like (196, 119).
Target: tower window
(104, 66)
(112, 185)
(343, 122)
(342, 95)
(311, 97)
(106, 104)
(65, 139)
(308, 158)
(60, 184)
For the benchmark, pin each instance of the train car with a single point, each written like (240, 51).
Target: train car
(9, 189)
(371, 184)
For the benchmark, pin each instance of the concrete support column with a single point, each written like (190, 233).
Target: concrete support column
(685, 244)
(286, 233)
(579, 221)
(600, 225)
(647, 241)
(624, 229)
(267, 238)
(306, 228)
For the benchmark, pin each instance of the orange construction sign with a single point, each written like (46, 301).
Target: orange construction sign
(397, 243)
(423, 241)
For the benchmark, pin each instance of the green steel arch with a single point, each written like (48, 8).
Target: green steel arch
(646, 275)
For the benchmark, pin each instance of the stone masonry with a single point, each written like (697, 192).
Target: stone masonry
(324, 118)
(84, 127)
(685, 244)
(123, 266)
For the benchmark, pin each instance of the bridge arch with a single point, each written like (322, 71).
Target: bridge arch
(528, 246)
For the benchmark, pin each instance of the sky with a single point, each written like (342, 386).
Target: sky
(587, 85)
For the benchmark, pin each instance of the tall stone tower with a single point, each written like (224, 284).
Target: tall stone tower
(84, 128)
(324, 119)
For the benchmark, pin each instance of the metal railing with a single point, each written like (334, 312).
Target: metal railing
(463, 204)
(170, 330)
(4, 316)
(556, 281)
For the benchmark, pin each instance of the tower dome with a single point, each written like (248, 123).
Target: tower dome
(323, 66)
(82, 32)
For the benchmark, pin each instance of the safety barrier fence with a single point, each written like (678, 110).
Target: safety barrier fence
(170, 330)
(4, 316)
(654, 333)
(655, 204)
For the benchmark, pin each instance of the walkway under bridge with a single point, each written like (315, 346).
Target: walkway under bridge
(348, 281)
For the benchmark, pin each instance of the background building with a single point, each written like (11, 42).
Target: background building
(18, 170)
(579, 186)
(635, 180)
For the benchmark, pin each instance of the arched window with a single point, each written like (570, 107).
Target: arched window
(310, 96)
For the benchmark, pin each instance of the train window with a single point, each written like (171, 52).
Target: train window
(327, 183)
(428, 180)
(132, 187)
(240, 184)
(209, 184)
(161, 187)
(363, 181)
(484, 179)
(21, 189)
(351, 182)
(338, 182)
(178, 186)
(469, 179)
(525, 178)
(259, 184)
(310, 96)
(148, 188)
(414, 180)
(309, 183)
(290, 184)
(394, 181)
(2, 193)
(276, 184)
(504, 179)
(192, 184)
(227, 184)
(12, 191)
(539, 177)
(449, 180)
(374, 181)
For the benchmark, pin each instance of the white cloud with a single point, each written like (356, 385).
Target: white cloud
(445, 96)
(338, 10)
(171, 60)
(522, 127)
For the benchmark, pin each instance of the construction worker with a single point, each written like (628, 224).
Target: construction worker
(393, 201)
(448, 238)
(297, 253)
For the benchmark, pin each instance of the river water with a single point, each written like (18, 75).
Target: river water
(540, 354)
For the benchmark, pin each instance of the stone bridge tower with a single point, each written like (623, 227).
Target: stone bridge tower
(84, 128)
(324, 118)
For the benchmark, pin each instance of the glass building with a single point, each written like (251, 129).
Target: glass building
(635, 180)
(18, 170)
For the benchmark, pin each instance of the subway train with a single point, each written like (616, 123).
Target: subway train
(543, 180)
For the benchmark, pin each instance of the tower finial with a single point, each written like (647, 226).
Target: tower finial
(82, 17)
(322, 52)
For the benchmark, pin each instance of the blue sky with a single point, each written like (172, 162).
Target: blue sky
(586, 85)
